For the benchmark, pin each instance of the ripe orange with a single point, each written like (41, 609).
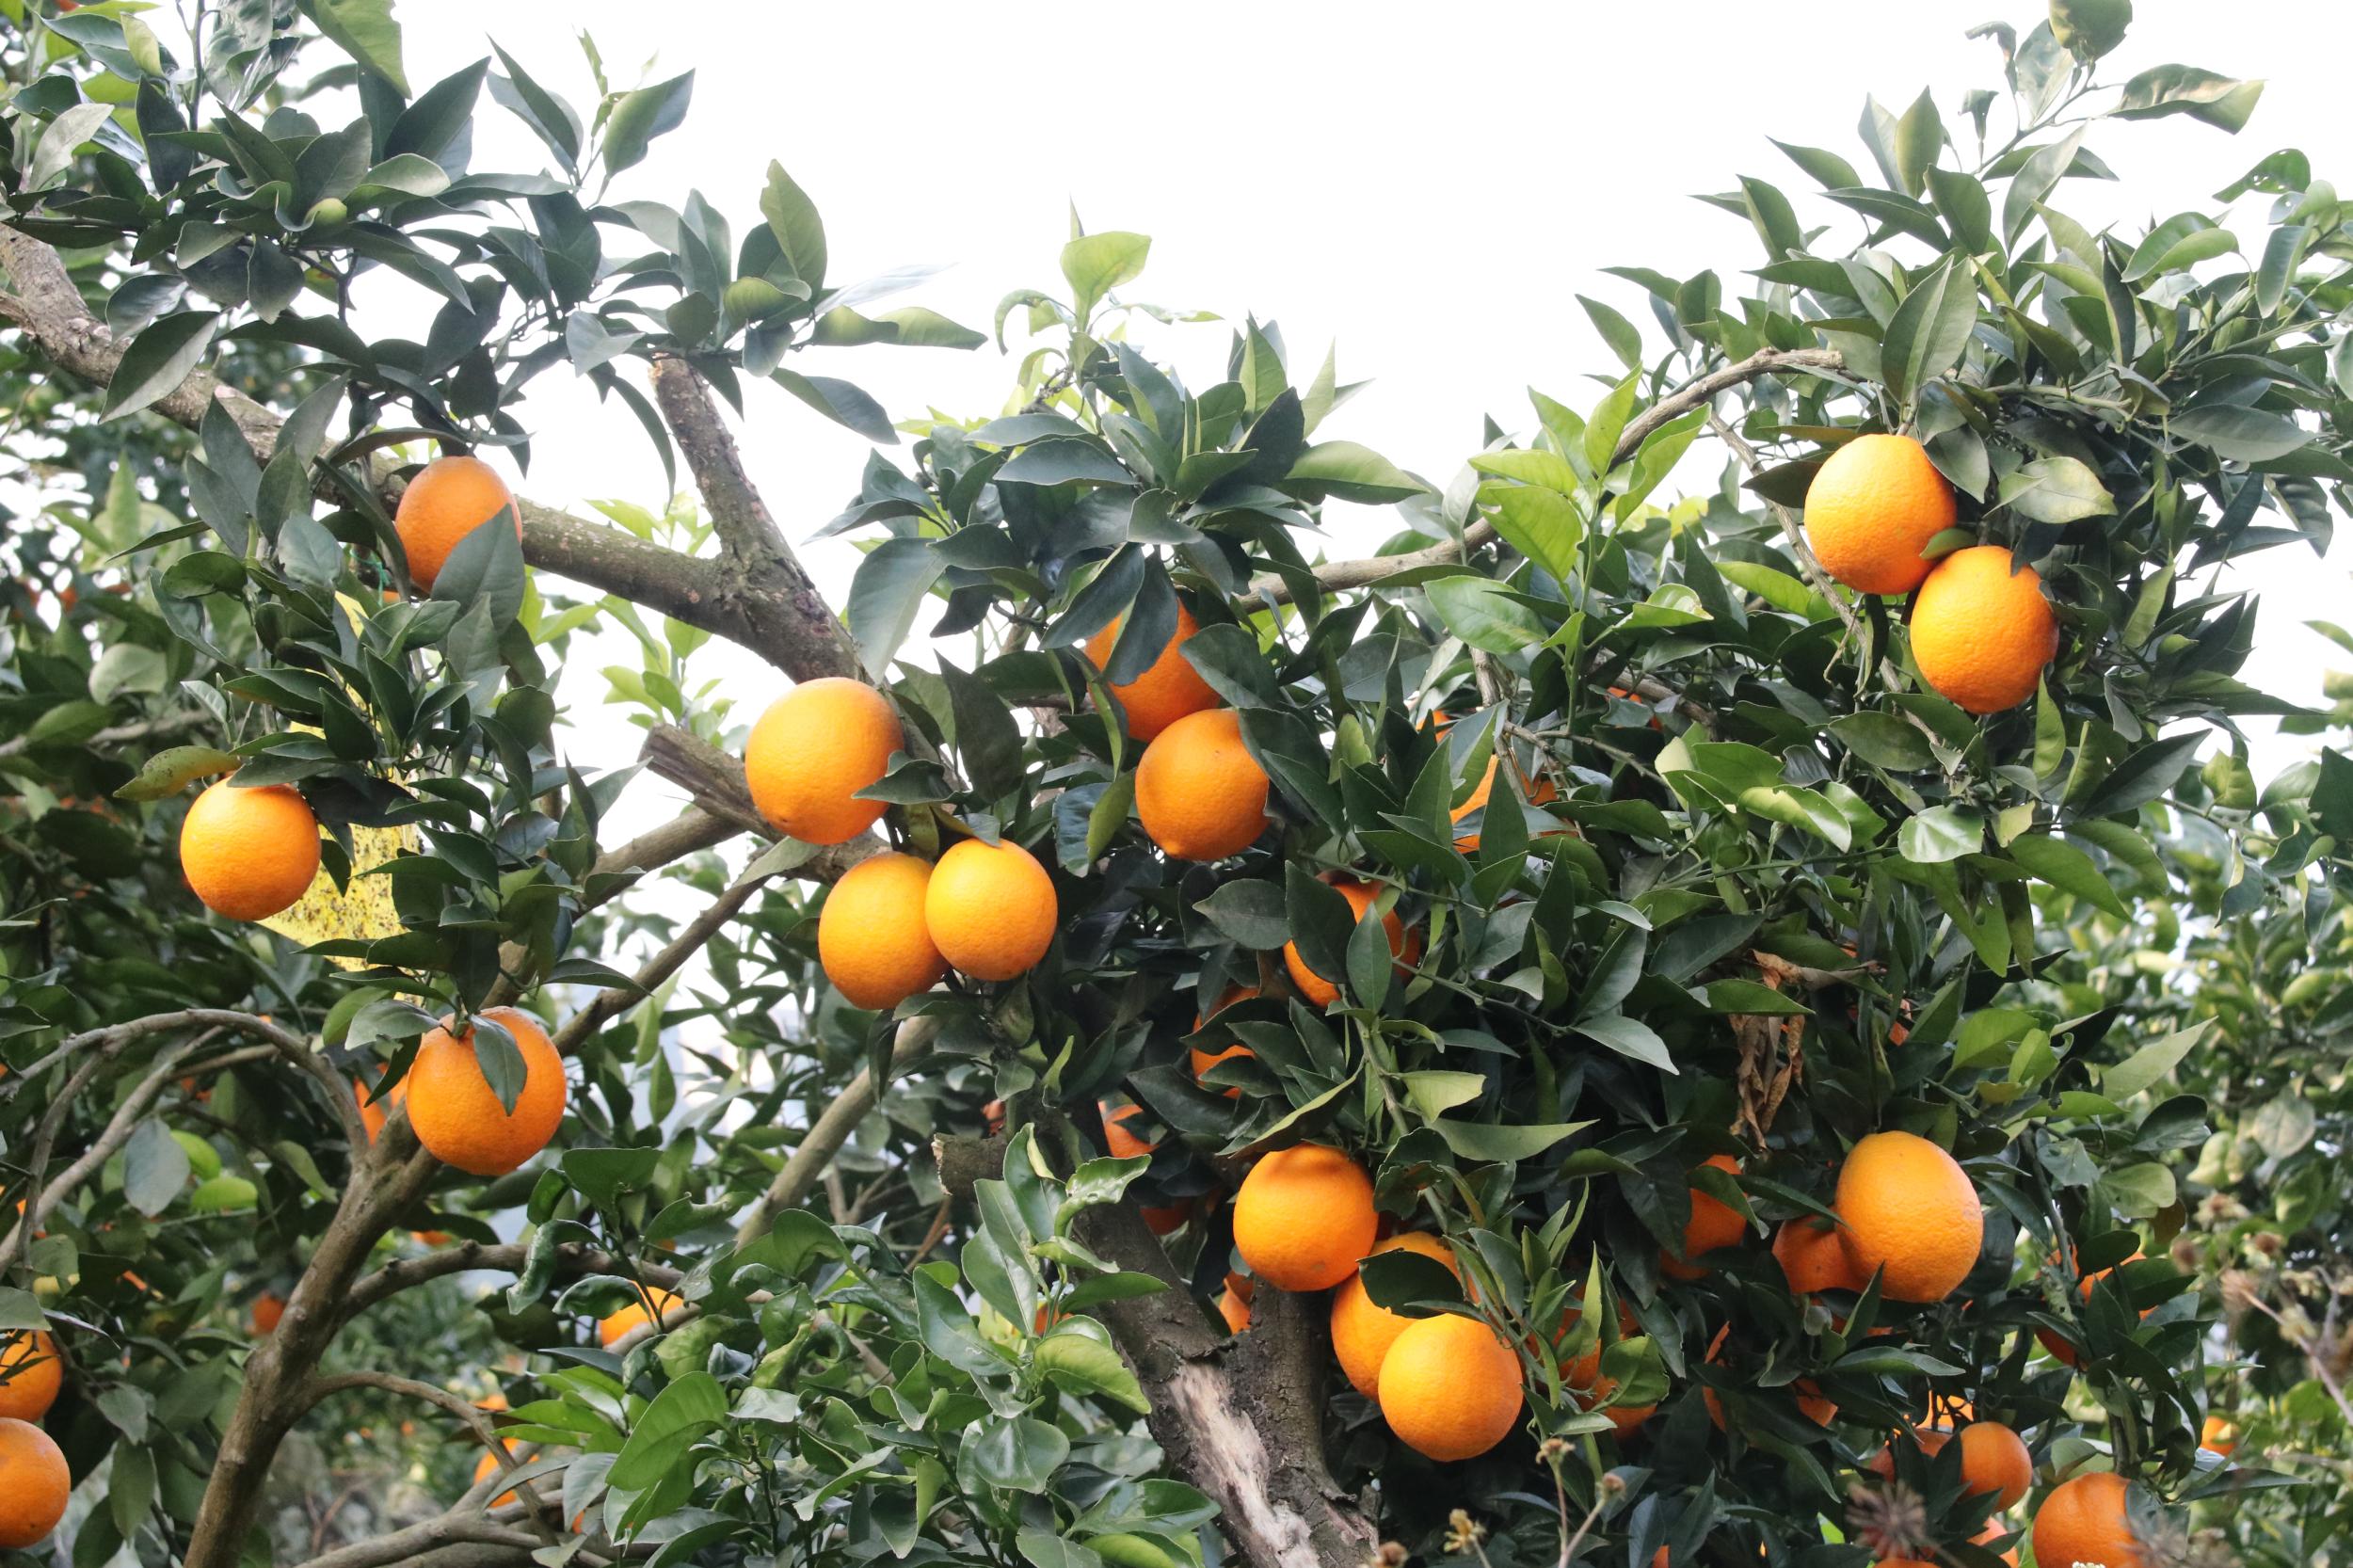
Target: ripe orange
(2219, 1435)
(486, 1465)
(1321, 992)
(1450, 1387)
(1929, 1440)
(1164, 693)
(1811, 1258)
(1538, 792)
(1119, 1141)
(1872, 508)
(1362, 1330)
(452, 498)
(1202, 1059)
(1235, 1310)
(1713, 1223)
(635, 1315)
(267, 1311)
(249, 853)
(373, 1117)
(812, 751)
(34, 1481)
(1981, 634)
(2083, 1520)
(456, 1115)
(1811, 1403)
(1303, 1217)
(872, 936)
(31, 1372)
(1199, 793)
(1907, 1207)
(991, 910)
(1994, 1459)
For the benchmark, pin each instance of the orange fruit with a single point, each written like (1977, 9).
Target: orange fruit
(1993, 1529)
(1118, 1140)
(486, 1465)
(1450, 1387)
(1929, 1440)
(31, 1372)
(990, 909)
(431, 1238)
(813, 750)
(635, 1315)
(1538, 792)
(1980, 634)
(249, 853)
(1363, 1330)
(2218, 1436)
(1813, 1258)
(872, 936)
(2083, 1520)
(1907, 1207)
(1203, 1060)
(34, 1481)
(1164, 693)
(1811, 1403)
(1235, 1310)
(452, 498)
(1199, 793)
(1713, 1223)
(1323, 992)
(456, 1115)
(1872, 508)
(1994, 1459)
(374, 1116)
(1166, 1219)
(268, 1308)
(1303, 1217)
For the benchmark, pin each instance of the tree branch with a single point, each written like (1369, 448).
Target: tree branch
(1335, 576)
(167, 724)
(503, 1257)
(48, 306)
(463, 1538)
(832, 1129)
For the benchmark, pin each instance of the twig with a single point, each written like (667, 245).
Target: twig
(168, 724)
(831, 1129)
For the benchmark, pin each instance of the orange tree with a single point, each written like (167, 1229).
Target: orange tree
(1623, 1024)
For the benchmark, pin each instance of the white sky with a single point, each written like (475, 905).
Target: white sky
(1428, 186)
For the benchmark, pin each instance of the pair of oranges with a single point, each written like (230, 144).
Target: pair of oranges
(1907, 1213)
(1981, 631)
(894, 925)
(34, 1478)
(1448, 1385)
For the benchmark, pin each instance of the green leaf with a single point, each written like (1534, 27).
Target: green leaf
(1883, 740)
(1542, 524)
(886, 594)
(2238, 433)
(368, 32)
(2170, 89)
(2152, 1063)
(127, 667)
(1483, 612)
(1941, 833)
(1624, 338)
(2176, 245)
(2141, 778)
(839, 402)
(1628, 1037)
(1919, 137)
(1078, 1360)
(684, 1411)
(1503, 1145)
(987, 739)
(1930, 330)
(1435, 1093)
(2056, 489)
(60, 139)
(640, 116)
(169, 772)
(158, 359)
(2089, 28)
(2068, 869)
(1753, 997)
(1098, 264)
(1249, 911)
(800, 233)
(1352, 473)
(155, 1167)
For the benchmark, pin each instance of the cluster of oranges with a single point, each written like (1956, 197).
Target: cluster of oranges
(894, 925)
(1981, 631)
(34, 1479)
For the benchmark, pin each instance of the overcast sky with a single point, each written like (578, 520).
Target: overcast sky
(1427, 185)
